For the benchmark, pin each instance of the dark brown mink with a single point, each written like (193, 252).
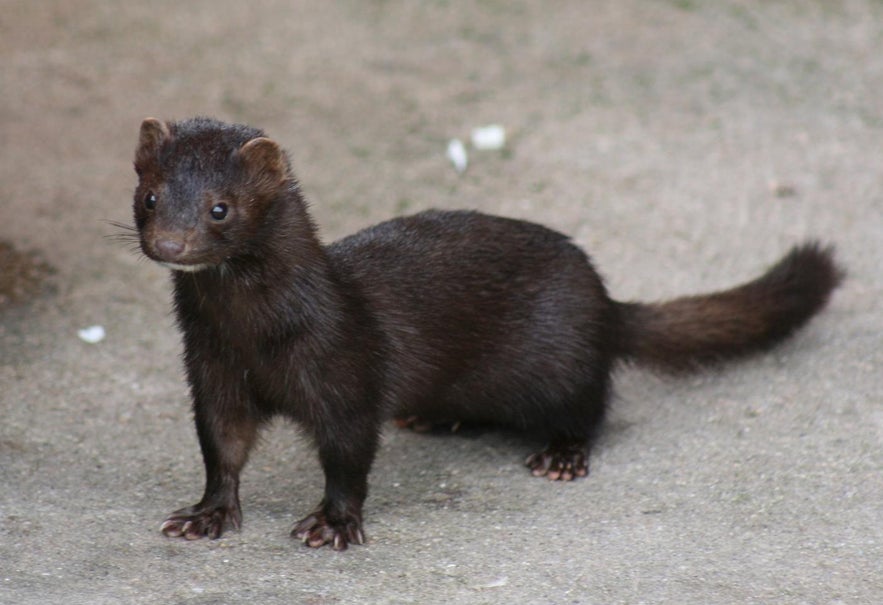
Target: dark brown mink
(440, 317)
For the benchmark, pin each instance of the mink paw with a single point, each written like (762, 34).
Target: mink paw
(316, 530)
(559, 463)
(199, 521)
(421, 425)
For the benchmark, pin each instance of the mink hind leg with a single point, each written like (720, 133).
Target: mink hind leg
(419, 424)
(563, 459)
(570, 428)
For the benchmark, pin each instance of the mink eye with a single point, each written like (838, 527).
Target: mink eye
(150, 200)
(219, 212)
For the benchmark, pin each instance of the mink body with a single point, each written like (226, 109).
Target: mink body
(433, 318)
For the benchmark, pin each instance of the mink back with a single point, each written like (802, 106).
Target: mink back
(486, 318)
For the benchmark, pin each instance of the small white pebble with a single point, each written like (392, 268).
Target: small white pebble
(457, 154)
(489, 138)
(497, 583)
(92, 334)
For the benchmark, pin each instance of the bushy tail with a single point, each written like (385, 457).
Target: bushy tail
(692, 331)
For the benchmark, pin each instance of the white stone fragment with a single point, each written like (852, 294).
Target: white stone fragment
(496, 583)
(92, 334)
(457, 154)
(489, 138)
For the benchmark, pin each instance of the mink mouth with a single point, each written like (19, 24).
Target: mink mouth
(187, 268)
(186, 259)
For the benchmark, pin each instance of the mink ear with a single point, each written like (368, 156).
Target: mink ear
(153, 134)
(264, 162)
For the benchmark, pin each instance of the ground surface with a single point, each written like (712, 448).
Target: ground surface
(685, 144)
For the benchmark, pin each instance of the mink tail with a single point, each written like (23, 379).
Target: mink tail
(686, 333)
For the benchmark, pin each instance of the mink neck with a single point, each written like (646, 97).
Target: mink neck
(283, 277)
(285, 245)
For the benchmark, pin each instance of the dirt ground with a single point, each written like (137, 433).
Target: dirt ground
(684, 144)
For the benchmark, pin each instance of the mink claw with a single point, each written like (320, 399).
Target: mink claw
(170, 528)
(538, 463)
(316, 530)
(558, 464)
(197, 522)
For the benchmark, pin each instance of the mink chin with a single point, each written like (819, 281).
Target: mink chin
(440, 317)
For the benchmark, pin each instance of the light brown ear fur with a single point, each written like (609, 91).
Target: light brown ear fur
(153, 134)
(264, 161)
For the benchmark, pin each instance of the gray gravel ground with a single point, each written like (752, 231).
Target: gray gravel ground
(685, 144)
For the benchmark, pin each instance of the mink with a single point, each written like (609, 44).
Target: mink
(440, 317)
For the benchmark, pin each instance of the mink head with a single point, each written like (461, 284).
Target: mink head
(206, 190)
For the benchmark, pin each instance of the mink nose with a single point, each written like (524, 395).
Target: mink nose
(169, 248)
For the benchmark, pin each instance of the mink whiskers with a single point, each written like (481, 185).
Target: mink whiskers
(127, 235)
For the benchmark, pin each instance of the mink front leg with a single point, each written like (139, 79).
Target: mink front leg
(227, 430)
(346, 457)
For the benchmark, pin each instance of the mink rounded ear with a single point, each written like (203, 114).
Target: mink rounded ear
(153, 134)
(264, 162)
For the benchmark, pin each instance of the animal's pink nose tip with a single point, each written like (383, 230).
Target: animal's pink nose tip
(169, 248)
